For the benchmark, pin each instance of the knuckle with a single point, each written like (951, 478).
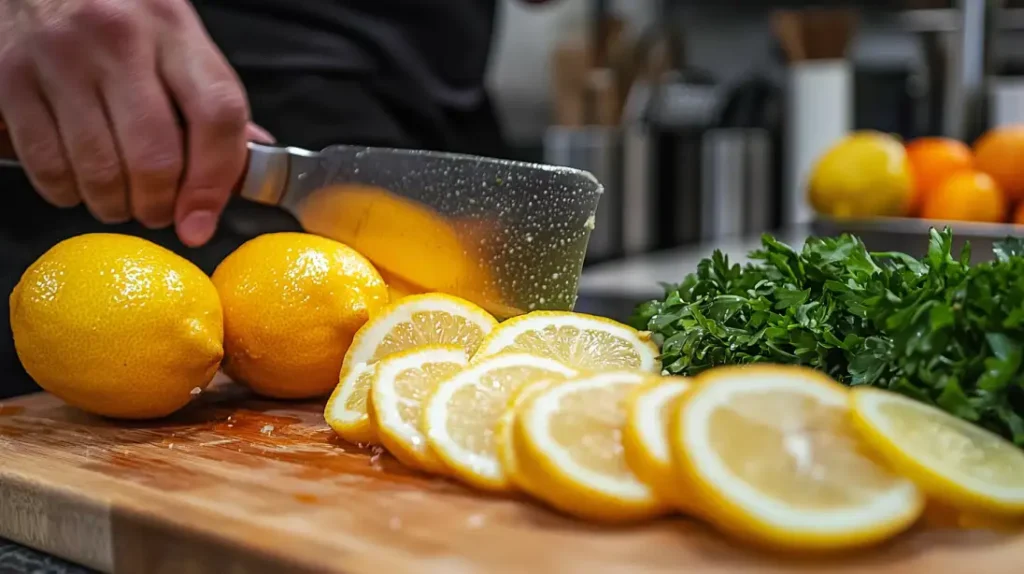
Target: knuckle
(223, 109)
(156, 167)
(15, 69)
(45, 162)
(104, 19)
(50, 174)
(58, 41)
(168, 11)
(101, 177)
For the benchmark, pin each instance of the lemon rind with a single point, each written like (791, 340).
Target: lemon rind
(403, 439)
(739, 507)
(935, 477)
(476, 469)
(505, 334)
(533, 422)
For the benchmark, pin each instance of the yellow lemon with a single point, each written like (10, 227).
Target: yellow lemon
(568, 443)
(772, 456)
(117, 326)
(956, 462)
(292, 303)
(462, 415)
(401, 385)
(504, 435)
(581, 341)
(645, 441)
(410, 323)
(866, 174)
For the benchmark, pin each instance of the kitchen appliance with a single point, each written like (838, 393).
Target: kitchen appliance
(736, 183)
(470, 226)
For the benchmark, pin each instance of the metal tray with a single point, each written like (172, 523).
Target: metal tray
(911, 235)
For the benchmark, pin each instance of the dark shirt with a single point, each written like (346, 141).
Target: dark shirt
(394, 70)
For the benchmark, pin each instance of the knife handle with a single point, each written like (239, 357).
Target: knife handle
(271, 171)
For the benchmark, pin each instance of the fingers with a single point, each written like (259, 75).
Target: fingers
(216, 114)
(93, 153)
(36, 141)
(68, 51)
(150, 142)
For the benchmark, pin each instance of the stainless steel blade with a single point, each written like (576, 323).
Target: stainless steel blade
(509, 236)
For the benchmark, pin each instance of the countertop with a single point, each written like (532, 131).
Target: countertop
(610, 289)
(641, 277)
(16, 559)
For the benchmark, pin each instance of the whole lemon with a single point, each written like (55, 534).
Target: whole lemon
(292, 303)
(866, 174)
(117, 326)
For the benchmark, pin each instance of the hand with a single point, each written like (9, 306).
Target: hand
(91, 90)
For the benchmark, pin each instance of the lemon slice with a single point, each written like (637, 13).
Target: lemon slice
(583, 342)
(346, 410)
(568, 437)
(461, 417)
(954, 461)
(773, 456)
(508, 451)
(401, 385)
(649, 411)
(414, 321)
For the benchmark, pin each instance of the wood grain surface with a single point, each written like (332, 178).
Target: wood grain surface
(235, 484)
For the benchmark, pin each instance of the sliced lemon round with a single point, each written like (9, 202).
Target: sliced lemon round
(956, 462)
(346, 410)
(401, 385)
(581, 341)
(570, 447)
(649, 410)
(772, 455)
(508, 451)
(461, 417)
(413, 321)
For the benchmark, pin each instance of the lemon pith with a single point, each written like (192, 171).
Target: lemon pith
(401, 385)
(588, 478)
(462, 415)
(773, 459)
(954, 461)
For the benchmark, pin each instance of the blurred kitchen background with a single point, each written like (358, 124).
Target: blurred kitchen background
(704, 118)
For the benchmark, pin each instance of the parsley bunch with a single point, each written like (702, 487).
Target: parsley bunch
(936, 329)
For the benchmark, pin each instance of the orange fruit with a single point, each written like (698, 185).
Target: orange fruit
(292, 304)
(932, 161)
(999, 153)
(1018, 214)
(966, 196)
(117, 326)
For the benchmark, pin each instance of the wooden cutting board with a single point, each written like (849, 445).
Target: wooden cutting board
(235, 484)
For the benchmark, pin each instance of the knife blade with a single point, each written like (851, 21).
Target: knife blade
(506, 235)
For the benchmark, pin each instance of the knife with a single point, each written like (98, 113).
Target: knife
(506, 235)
